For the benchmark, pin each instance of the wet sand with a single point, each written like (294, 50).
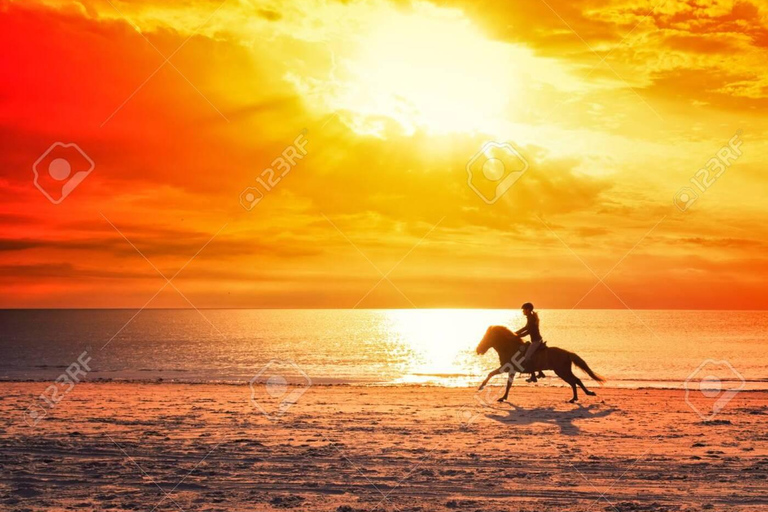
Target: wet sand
(130, 446)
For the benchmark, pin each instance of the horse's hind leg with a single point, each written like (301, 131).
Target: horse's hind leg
(571, 379)
(582, 386)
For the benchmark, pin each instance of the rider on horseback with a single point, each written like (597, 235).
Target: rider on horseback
(531, 329)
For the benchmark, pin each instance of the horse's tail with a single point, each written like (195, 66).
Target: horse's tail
(584, 366)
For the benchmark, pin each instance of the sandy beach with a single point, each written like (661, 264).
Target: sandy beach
(129, 446)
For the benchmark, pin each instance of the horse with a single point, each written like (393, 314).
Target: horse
(511, 350)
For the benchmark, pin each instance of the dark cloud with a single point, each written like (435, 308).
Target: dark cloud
(725, 243)
(269, 14)
(180, 245)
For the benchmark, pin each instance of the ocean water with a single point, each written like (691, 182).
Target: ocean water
(430, 346)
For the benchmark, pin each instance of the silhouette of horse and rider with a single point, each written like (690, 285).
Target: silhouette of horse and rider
(516, 356)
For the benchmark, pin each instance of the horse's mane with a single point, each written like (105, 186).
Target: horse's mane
(503, 333)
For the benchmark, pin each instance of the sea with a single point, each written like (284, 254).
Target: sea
(433, 347)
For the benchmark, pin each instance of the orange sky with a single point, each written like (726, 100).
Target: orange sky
(615, 106)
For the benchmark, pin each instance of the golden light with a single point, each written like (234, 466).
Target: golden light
(440, 343)
(429, 69)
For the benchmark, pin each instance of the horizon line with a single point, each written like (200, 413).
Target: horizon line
(363, 309)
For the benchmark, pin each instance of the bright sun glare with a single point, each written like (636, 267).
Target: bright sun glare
(440, 342)
(430, 69)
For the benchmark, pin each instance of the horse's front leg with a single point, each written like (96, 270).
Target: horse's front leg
(510, 378)
(489, 377)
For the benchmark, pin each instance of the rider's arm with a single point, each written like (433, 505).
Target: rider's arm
(524, 330)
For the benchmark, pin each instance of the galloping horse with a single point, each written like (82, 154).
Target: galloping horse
(508, 345)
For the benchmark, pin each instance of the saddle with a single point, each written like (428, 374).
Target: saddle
(524, 348)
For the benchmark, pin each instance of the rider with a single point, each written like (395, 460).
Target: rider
(531, 329)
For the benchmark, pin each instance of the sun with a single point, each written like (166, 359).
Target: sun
(429, 69)
(440, 343)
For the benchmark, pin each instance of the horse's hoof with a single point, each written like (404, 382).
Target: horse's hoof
(573, 400)
(501, 400)
(591, 393)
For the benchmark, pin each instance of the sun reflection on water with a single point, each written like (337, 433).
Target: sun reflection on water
(439, 344)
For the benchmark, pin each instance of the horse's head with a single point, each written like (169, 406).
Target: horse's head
(495, 336)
